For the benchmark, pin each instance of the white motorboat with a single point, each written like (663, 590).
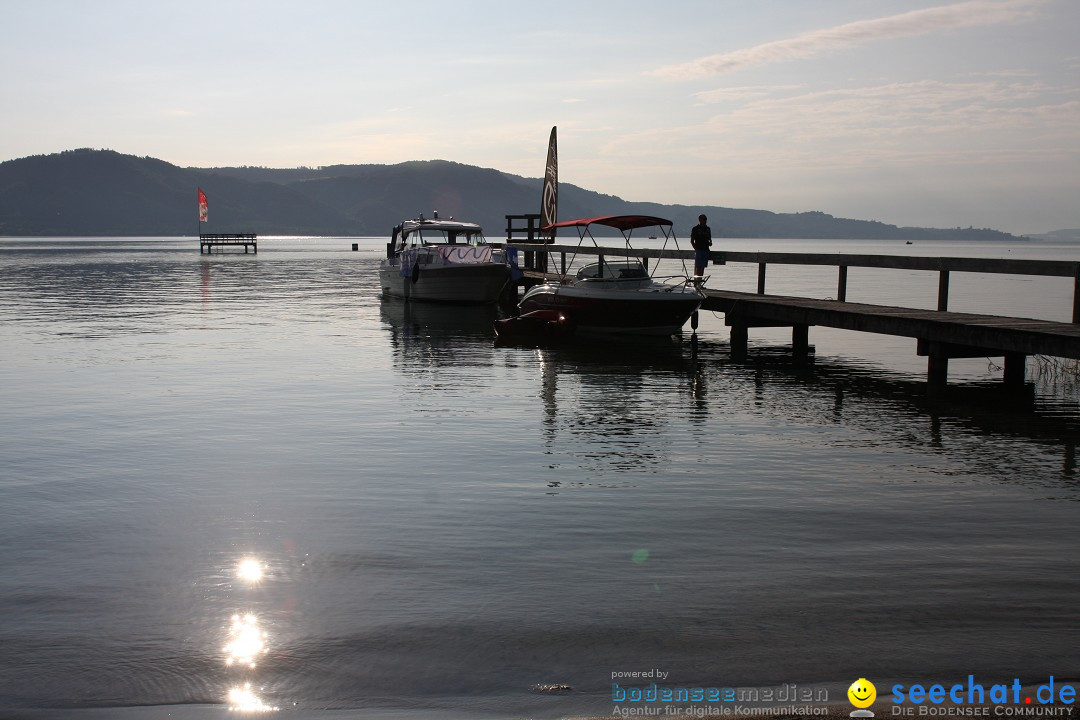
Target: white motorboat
(446, 261)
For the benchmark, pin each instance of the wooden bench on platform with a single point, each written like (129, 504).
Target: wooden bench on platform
(207, 241)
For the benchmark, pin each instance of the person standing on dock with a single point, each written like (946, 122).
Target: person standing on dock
(701, 240)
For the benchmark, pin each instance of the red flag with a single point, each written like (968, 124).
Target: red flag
(202, 206)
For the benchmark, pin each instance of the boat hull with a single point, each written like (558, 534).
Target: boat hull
(474, 284)
(630, 312)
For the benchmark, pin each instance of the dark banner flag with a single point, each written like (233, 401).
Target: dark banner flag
(549, 204)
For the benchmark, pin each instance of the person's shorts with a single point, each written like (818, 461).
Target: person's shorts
(701, 258)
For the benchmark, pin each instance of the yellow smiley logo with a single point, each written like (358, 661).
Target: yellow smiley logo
(862, 693)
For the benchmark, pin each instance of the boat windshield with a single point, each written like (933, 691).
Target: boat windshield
(617, 270)
(444, 236)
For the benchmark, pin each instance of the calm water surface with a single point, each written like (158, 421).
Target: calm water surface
(439, 525)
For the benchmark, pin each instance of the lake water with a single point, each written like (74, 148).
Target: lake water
(438, 526)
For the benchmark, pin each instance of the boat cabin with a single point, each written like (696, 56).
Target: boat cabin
(423, 232)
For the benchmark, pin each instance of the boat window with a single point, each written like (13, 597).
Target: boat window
(617, 270)
(433, 236)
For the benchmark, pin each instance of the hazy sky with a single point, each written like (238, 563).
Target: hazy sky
(913, 112)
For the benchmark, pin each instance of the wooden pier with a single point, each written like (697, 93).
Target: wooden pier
(208, 241)
(940, 334)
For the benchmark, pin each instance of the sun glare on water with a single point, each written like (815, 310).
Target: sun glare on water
(243, 699)
(246, 641)
(250, 570)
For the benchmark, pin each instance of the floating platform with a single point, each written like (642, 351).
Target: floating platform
(208, 241)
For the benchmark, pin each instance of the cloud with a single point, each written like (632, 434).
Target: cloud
(989, 122)
(746, 92)
(816, 42)
(904, 118)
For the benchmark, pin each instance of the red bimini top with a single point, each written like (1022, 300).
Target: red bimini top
(619, 222)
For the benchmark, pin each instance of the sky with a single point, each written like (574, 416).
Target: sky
(931, 113)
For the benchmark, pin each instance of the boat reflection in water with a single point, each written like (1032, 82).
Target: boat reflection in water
(425, 335)
(607, 407)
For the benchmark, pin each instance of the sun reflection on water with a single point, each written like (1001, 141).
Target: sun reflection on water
(249, 569)
(246, 641)
(243, 699)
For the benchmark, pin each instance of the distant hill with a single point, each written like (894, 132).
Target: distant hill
(1072, 235)
(101, 192)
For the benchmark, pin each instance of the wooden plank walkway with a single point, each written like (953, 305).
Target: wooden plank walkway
(208, 241)
(959, 334)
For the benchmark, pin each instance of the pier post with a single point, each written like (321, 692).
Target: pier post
(761, 279)
(1014, 369)
(937, 365)
(841, 284)
(800, 343)
(740, 337)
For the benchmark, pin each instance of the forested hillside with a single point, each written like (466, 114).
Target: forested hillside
(101, 192)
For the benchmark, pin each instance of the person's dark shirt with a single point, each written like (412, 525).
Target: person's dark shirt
(701, 237)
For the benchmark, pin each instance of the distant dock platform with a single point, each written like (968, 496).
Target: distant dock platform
(208, 241)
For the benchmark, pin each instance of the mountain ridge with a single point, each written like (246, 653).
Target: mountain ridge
(88, 192)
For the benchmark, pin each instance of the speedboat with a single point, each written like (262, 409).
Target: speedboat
(446, 261)
(618, 296)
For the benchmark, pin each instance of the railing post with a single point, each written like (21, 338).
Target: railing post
(841, 285)
(761, 278)
(1076, 296)
(943, 291)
